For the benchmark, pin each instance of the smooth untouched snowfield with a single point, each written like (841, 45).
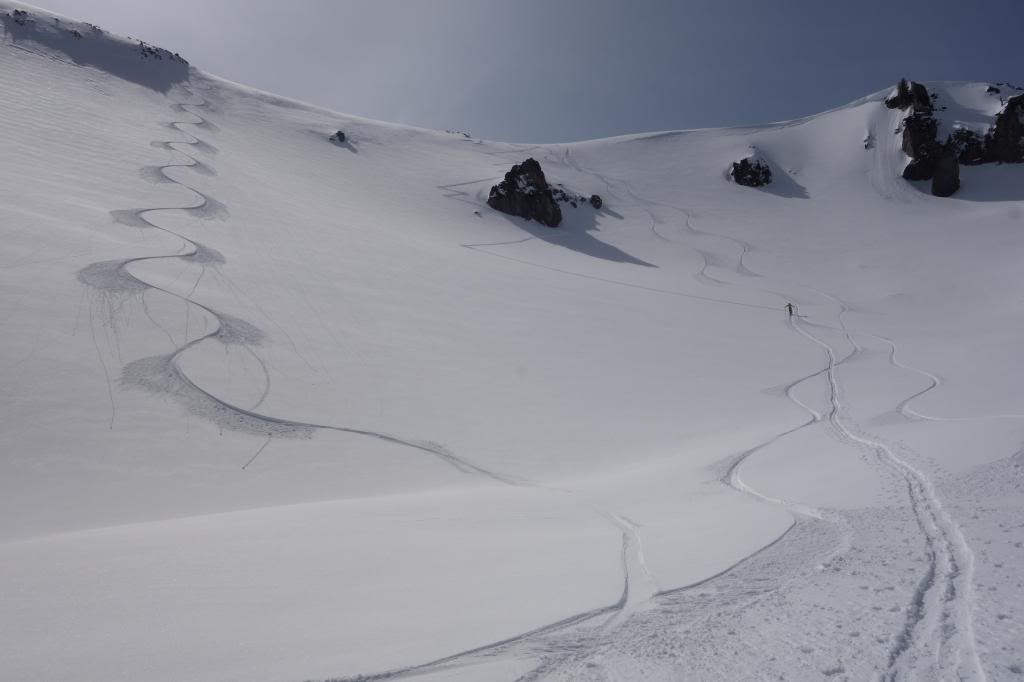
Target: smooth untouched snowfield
(278, 408)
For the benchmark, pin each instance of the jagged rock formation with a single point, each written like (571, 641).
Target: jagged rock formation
(920, 143)
(969, 146)
(931, 159)
(751, 173)
(910, 95)
(946, 178)
(525, 192)
(919, 132)
(1005, 142)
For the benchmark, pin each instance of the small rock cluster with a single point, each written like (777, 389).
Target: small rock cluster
(572, 198)
(940, 162)
(24, 19)
(525, 193)
(751, 172)
(147, 51)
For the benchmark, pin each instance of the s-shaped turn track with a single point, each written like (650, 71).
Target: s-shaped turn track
(163, 375)
(937, 636)
(938, 622)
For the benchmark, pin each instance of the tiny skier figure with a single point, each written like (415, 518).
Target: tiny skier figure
(791, 309)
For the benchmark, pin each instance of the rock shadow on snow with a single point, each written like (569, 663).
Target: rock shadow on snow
(761, 173)
(346, 144)
(783, 185)
(145, 65)
(575, 234)
(989, 182)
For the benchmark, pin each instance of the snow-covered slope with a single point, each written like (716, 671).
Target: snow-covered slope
(279, 408)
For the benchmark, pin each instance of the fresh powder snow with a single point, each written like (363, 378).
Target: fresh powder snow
(282, 407)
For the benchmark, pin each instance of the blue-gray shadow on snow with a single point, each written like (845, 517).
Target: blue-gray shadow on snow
(783, 185)
(574, 233)
(94, 48)
(985, 182)
(344, 145)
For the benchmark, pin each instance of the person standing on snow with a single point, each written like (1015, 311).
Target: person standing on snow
(791, 309)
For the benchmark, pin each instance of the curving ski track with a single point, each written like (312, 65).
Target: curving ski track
(584, 644)
(936, 638)
(938, 632)
(163, 375)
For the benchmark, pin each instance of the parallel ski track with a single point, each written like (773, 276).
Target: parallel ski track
(941, 604)
(939, 621)
(620, 612)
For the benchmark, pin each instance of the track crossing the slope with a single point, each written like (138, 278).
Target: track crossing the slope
(164, 375)
(937, 636)
(938, 619)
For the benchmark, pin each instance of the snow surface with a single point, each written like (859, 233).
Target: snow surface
(281, 408)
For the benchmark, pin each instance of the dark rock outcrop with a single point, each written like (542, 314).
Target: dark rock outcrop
(525, 192)
(919, 131)
(946, 178)
(595, 201)
(919, 169)
(969, 147)
(940, 162)
(1005, 142)
(749, 173)
(910, 94)
(338, 136)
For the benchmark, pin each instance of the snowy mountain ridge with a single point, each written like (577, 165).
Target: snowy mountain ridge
(278, 407)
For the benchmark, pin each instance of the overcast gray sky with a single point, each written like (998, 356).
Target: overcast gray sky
(561, 70)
